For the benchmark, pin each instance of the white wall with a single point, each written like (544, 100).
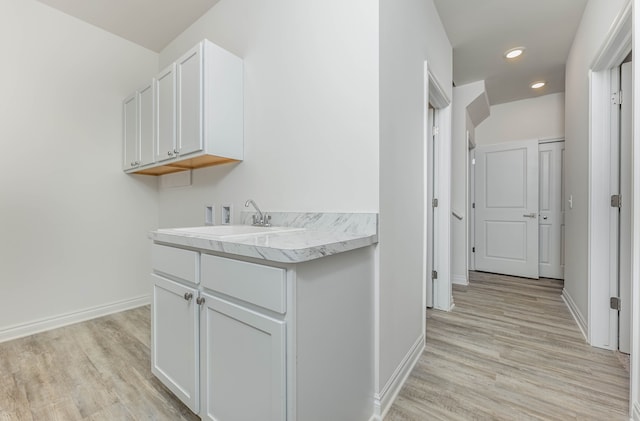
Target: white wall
(73, 225)
(536, 118)
(596, 22)
(311, 108)
(461, 122)
(410, 33)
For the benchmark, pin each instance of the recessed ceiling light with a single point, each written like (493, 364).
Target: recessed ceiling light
(513, 53)
(538, 85)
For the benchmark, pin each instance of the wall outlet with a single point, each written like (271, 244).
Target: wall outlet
(210, 214)
(227, 214)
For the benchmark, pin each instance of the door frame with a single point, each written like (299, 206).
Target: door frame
(436, 95)
(471, 211)
(602, 325)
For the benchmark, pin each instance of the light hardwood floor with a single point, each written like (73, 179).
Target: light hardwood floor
(510, 350)
(95, 370)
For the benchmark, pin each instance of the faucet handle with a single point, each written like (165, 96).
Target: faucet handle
(267, 220)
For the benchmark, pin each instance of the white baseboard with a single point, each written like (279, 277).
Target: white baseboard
(635, 416)
(460, 280)
(384, 399)
(573, 309)
(49, 323)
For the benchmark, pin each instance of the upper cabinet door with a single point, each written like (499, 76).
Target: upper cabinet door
(165, 91)
(130, 134)
(145, 113)
(190, 101)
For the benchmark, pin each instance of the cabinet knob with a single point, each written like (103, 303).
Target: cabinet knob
(170, 153)
(200, 300)
(175, 151)
(188, 296)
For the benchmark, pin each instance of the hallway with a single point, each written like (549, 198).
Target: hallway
(510, 350)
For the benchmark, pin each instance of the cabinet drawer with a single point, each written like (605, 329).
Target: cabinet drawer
(257, 284)
(180, 263)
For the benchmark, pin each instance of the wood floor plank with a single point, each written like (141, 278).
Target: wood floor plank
(95, 370)
(510, 350)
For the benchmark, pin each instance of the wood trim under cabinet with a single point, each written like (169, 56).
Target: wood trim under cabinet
(187, 164)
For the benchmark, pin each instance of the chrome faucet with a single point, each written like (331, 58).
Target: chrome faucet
(260, 219)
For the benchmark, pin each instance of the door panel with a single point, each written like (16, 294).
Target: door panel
(626, 230)
(165, 91)
(130, 132)
(174, 337)
(506, 208)
(147, 155)
(189, 76)
(551, 222)
(506, 240)
(431, 184)
(244, 363)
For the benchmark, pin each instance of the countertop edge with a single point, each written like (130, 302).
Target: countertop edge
(273, 254)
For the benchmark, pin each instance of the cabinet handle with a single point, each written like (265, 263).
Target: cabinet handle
(188, 296)
(200, 300)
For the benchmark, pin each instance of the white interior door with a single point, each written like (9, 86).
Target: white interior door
(507, 208)
(551, 224)
(626, 174)
(431, 186)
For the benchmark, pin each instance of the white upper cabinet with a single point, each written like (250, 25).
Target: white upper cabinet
(165, 90)
(190, 105)
(138, 129)
(145, 121)
(130, 132)
(198, 112)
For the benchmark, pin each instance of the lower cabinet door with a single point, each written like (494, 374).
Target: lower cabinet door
(243, 353)
(175, 339)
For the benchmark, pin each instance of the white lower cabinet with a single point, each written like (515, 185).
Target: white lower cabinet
(242, 340)
(175, 339)
(224, 360)
(243, 363)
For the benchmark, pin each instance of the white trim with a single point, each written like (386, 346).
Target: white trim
(635, 249)
(472, 211)
(382, 401)
(618, 43)
(550, 140)
(575, 312)
(601, 278)
(437, 95)
(49, 323)
(635, 415)
(460, 280)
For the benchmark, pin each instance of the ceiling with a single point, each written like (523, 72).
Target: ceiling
(481, 31)
(149, 23)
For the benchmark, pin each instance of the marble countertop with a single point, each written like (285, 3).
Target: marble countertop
(323, 234)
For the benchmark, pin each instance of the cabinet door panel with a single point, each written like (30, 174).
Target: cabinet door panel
(145, 99)
(189, 76)
(174, 340)
(244, 364)
(130, 117)
(165, 92)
